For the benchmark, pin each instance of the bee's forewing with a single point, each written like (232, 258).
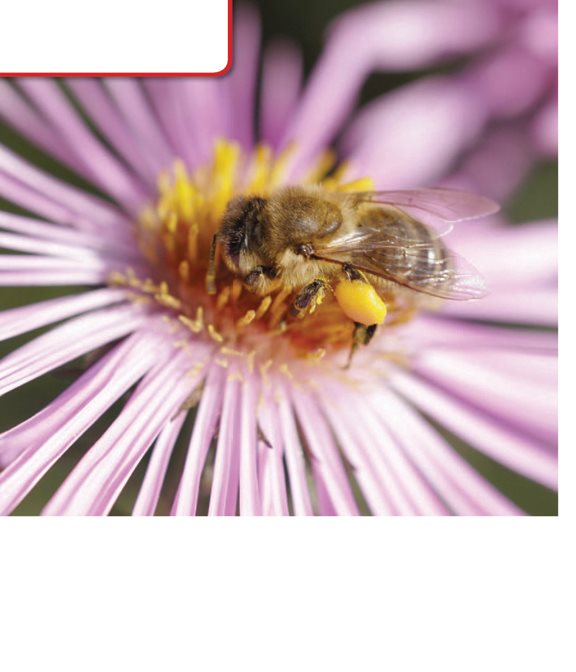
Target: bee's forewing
(449, 205)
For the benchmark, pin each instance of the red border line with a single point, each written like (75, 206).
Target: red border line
(224, 70)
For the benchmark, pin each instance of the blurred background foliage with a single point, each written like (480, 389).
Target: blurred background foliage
(304, 22)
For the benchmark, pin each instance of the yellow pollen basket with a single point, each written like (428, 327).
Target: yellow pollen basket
(360, 302)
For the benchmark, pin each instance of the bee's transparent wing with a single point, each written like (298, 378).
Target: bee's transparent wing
(427, 267)
(446, 206)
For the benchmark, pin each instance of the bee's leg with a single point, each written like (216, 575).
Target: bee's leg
(362, 335)
(308, 298)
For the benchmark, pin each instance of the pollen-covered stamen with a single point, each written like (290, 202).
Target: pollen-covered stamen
(177, 234)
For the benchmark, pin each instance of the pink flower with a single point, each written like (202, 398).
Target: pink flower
(278, 425)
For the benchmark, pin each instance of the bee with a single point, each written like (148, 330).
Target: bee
(306, 239)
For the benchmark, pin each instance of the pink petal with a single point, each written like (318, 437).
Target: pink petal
(271, 467)
(483, 433)
(325, 458)
(293, 455)
(117, 128)
(531, 407)
(281, 83)
(26, 120)
(120, 248)
(64, 343)
(139, 117)
(242, 78)
(380, 491)
(149, 492)
(97, 480)
(186, 499)
(223, 496)
(250, 502)
(412, 135)
(43, 439)
(26, 318)
(98, 163)
(83, 210)
(464, 490)
(381, 36)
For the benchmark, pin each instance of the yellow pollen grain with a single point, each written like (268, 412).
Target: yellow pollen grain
(184, 271)
(263, 307)
(250, 358)
(230, 351)
(215, 335)
(169, 301)
(237, 375)
(195, 326)
(223, 297)
(264, 368)
(224, 363)
(285, 370)
(236, 289)
(246, 319)
(317, 354)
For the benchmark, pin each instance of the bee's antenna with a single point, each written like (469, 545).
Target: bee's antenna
(211, 272)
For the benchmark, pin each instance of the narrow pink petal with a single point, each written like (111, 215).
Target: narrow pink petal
(483, 433)
(23, 270)
(64, 343)
(500, 81)
(294, 456)
(412, 135)
(166, 104)
(97, 480)
(138, 114)
(325, 457)
(242, 78)
(497, 165)
(406, 484)
(26, 318)
(524, 306)
(21, 194)
(84, 210)
(281, 83)
(209, 410)
(117, 129)
(149, 492)
(250, 501)
(11, 241)
(224, 491)
(377, 487)
(271, 466)
(545, 130)
(325, 506)
(529, 406)
(435, 332)
(122, 247)
(25, 119)
(381, 36)
(463, 489)
(55, 277)
(37, 443)
(487, 246)
(98, 162)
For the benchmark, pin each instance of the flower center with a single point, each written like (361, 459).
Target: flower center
(176, 233)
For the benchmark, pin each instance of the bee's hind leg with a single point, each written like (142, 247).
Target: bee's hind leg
(308, 298)
(362, 335)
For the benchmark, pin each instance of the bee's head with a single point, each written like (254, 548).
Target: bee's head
(241, 237)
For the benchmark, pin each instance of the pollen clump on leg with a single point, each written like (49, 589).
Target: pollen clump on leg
(360, 302)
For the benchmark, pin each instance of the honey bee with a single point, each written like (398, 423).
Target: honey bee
(307, 239)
